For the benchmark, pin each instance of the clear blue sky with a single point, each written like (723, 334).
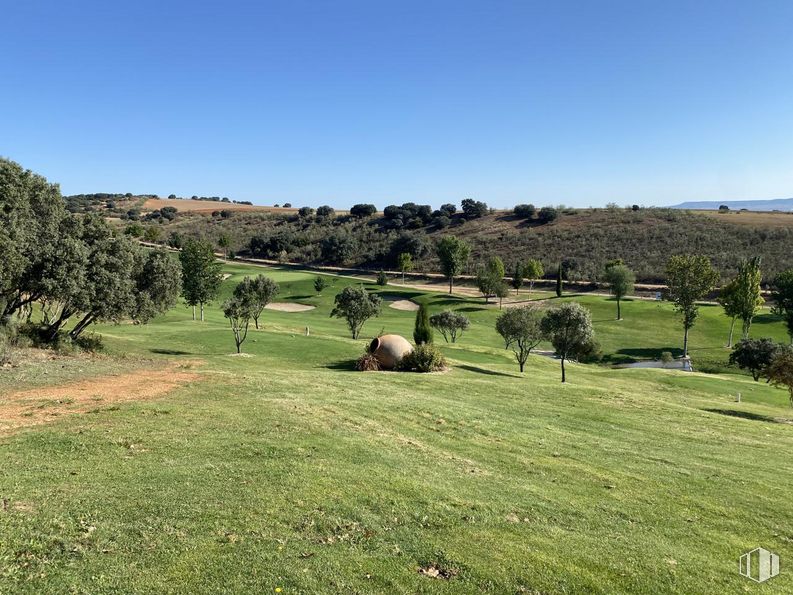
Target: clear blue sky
(384, 101)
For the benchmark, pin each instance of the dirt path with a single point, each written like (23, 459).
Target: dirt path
(42, 405)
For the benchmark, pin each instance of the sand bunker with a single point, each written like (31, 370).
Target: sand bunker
(405, 305)
(289, 307)
(226, 276)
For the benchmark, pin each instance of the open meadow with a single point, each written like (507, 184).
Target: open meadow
(186, 469)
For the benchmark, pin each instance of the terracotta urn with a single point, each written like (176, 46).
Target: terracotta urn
(389, 349)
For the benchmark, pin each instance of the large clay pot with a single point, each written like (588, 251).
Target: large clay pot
(389, 349)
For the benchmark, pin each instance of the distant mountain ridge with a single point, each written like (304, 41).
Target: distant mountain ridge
(776, 204)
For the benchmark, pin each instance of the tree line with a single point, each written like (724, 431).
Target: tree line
(78, 268)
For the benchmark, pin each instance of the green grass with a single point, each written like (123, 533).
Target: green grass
(288, 470)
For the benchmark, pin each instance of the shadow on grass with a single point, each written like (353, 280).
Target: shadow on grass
(344, 365)
(767, 319)
(170, 352)
(486, 371)
(751, 416)
(472, 309)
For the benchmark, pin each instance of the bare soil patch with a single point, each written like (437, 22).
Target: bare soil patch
(289, 307)
(42, 405)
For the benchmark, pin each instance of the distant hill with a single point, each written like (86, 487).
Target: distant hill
(777, 204)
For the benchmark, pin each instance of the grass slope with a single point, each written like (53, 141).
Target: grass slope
(286, 470)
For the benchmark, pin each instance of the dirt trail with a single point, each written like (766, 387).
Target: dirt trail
(42, 405)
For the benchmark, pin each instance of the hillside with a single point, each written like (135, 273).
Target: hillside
(585, 238)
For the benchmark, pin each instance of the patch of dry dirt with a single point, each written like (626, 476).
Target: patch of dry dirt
(41, 405)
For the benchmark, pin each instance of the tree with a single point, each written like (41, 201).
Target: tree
(320, 283)
(501, 291)
(453, 254)
(521, 329)
(525, 211)
(31, 211)
(620, 279)
(422, 332)
(754, 355)
(152, 234)
(450, 324)
(238, 312)
(201, 274)
(405, 263)
(517, 277)
(689, 279)
(547, 215)
(780, 372)
(569, 328)
(782, 294)
(224, 242)
(158, 282)
(747, 292)
(363, 210)
(728, 299)
(559, 287)
(473, 209)
(325, 212)
(533, 270)
(356, 306)
(256, 293)
(489, 277)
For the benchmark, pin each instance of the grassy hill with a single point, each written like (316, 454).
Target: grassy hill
(288, 471)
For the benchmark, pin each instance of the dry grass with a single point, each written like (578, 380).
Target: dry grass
(207, 206)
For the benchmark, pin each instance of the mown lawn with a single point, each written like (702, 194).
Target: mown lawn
(287, 470)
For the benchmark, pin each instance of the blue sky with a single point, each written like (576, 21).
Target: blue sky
(339, 102)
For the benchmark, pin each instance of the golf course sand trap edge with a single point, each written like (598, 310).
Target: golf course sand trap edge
(405, 305)
(289, 307)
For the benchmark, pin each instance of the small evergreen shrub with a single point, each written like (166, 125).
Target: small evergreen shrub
(382, 278)
(422, 332)
(425, 357)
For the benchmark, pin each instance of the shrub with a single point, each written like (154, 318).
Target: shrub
(547, 214)
(525, 211)
(422, 333)
(320, 283)
(92, 342)
(367, 363)
(424, 358)
(382, 278)
(667, 358)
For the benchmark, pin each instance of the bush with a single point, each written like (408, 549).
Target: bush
(91, 342)
(320, 283)
(382, 278)
(424, 358)
(667, 358)
(525, 211)
(547, 215)
(367, 363)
